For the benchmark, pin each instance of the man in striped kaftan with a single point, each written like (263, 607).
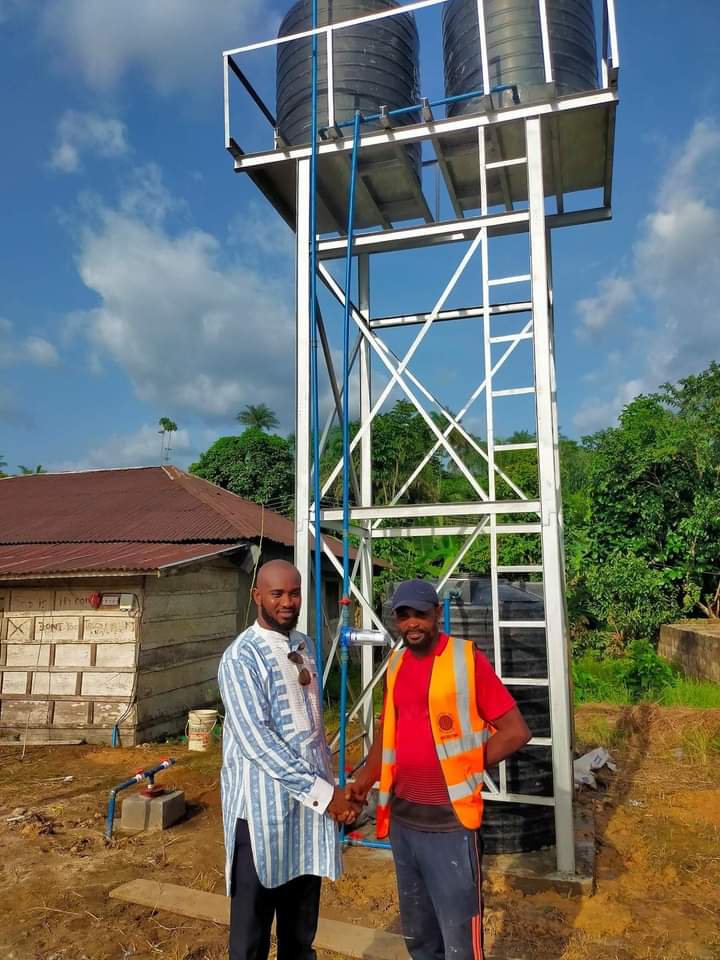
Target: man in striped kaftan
(280, 803)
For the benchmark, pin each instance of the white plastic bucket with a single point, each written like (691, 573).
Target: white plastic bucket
(200, 726)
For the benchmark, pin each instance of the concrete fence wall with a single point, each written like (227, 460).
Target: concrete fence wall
(694, 646)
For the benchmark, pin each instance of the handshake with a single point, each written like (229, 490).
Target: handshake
(347, 802)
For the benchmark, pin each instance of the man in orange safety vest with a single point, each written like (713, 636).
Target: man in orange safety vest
(447, 717)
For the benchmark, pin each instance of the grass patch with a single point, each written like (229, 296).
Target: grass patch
(600, 681)
(693, 693)
(598, 731)
(701, 744)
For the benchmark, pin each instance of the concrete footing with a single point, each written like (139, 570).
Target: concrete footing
(157, 813)
(529, 872)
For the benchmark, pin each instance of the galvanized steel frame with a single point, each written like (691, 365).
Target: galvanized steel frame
(483, 517)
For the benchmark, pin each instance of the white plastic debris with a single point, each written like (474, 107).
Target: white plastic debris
(584, 766)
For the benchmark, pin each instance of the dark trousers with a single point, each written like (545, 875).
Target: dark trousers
(439, 880)
(295, 906)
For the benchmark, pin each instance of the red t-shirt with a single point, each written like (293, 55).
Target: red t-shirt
(419, 777)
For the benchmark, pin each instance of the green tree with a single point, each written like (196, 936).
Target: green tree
(3, 463)
(653, 504)
(255, 465)
(259, 417)
(31, 471)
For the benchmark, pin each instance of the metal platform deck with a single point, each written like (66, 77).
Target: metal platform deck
(578, 142)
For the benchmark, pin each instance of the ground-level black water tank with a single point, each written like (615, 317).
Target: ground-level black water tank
(511, 827)
(375, 65)
(515, 51)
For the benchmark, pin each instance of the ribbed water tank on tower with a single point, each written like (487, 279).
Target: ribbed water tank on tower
(510, 827)
(374, 65)
(515, 49)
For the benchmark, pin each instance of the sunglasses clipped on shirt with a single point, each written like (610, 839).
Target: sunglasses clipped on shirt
(304, 677)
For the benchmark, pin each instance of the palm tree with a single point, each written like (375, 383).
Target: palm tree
(29, 471)
(167, 427)
(259, 417)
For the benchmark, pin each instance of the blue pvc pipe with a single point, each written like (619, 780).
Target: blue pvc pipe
(314, 391)
(373, 844)
(345, 628)
(148, 775)
(458, 98)
(344, 661)
(446, 615)
(346, 365)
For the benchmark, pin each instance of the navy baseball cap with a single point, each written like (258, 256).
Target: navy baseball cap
(418, 594)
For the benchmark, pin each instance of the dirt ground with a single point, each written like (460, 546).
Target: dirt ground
(657, 833)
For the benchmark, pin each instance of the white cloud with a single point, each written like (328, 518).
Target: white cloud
(597, 313)
(674, 278)
(87, 133)
(138, 449)
(41, 352)
(175, 44)
(256, 233)
(194, 333)
(35, 350)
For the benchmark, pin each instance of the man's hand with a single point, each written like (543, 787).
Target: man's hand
(357, 791)
(341, 808)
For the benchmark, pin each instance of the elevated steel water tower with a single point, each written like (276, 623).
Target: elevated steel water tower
(528, 119)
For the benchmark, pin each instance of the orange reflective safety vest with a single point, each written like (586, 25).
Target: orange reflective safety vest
(460, 733)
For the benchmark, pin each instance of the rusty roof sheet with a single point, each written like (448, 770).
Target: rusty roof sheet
(147, 504)
(25, 560)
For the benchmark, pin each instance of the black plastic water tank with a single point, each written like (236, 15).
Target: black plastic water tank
(510, 827)
(515, 52)
(375, 65)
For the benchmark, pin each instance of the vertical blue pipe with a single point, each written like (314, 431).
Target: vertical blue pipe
(345, 628)
(446, 615)
(346, 366)
(314, 401)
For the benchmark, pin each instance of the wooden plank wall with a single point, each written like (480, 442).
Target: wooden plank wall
(188, 621)
(67, 671)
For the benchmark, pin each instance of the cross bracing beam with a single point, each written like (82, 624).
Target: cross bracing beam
(456, 231)
(454, 422)
(420, 510)
(460, 530)
(463, 412)
(462, 313)
(397, 372)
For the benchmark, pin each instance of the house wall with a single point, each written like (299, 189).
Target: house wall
(67, 671)
(187, 622)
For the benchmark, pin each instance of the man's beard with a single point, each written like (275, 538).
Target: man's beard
(425, 645)
(279, 627)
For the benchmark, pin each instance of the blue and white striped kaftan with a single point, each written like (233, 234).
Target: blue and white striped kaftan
(277, 770)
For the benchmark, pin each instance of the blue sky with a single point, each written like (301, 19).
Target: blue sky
(141, 278)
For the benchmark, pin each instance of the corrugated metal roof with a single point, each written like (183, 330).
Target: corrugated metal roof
(139, 519)
(149, 504)
(23, 560)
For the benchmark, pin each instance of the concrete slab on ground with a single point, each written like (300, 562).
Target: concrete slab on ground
(346, 938)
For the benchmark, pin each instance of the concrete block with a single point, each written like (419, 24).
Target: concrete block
(109, 629)
(72, 655)
(56, 628)
(27, 655)
(107, 684)
(115, 655)
(141, 813)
